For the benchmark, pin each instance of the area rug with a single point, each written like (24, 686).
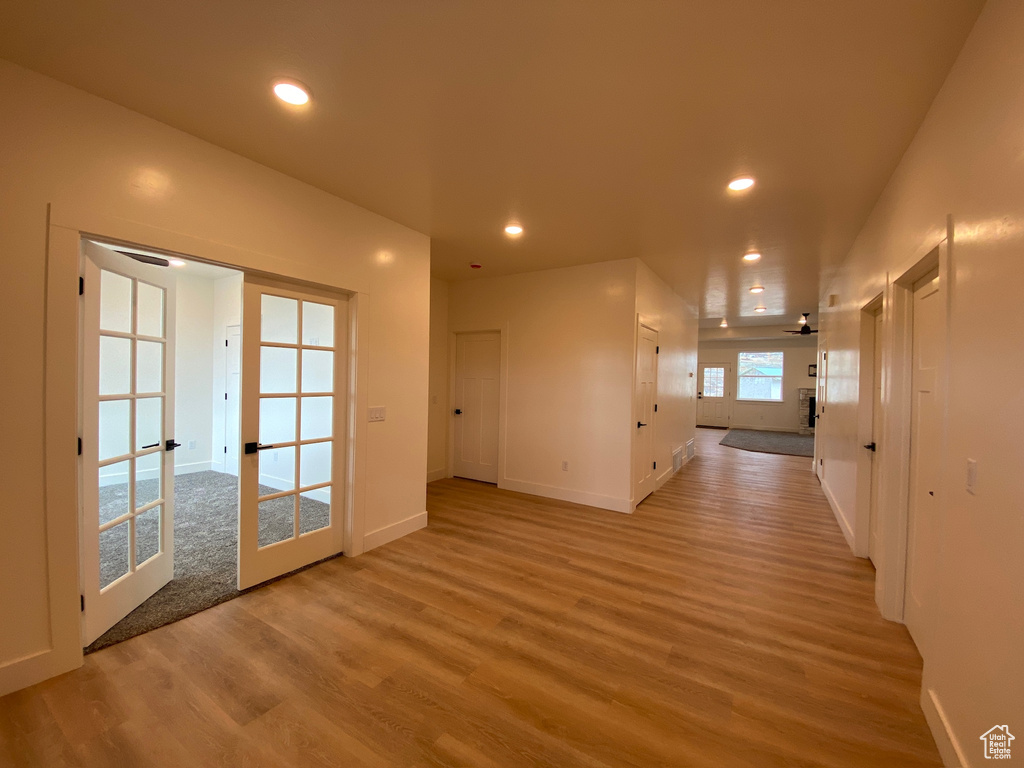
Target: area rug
(788, 443)
(205, 546)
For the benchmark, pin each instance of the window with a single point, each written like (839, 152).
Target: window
(760, 376)
(714, 382)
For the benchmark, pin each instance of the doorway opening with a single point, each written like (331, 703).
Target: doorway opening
(168, 346)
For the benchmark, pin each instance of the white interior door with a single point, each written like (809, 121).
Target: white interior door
(925, 441)
(645, 397)
(232, 380)
(477, 371)
(127, 465)
(713, 394)
(294, 424)
(876, 436)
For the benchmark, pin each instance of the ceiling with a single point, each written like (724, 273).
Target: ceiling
(607, 129)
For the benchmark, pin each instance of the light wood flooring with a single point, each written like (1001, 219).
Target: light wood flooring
(725, 623)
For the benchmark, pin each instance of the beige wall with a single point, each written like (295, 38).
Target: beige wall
(104, 168)
(658, 306)
(966, 161)
(783, 417)
(437, 428)
(569, 338)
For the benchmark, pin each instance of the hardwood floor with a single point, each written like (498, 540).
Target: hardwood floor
(725, 623)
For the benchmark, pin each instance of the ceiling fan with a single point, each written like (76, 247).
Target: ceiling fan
(805, 329)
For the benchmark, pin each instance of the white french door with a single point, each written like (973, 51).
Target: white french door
(713, 394)
(127, 465)
(294, 428)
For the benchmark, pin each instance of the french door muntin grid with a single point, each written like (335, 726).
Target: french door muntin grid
(136, 451)
(299, 396)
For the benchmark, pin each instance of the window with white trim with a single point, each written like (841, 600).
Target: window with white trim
(760, 376)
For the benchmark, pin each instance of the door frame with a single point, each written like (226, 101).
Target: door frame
(865, 425)
(66, 226)
(643, 321)
(453, 335)
(897, 364)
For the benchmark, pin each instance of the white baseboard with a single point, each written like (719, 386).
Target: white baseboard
(195, 466)
(567, 494)
(394, 531)
(763, 428)
(949, 748)
(437, 474)
(119, 478)
(837, 511)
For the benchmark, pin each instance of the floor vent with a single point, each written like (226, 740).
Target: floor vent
(677, 459)
(689, 448)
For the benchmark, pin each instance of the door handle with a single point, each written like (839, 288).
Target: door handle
(870, 446)
(153, 445)
(170, 445)
(458, 411)
(253, 447)
(640, 424)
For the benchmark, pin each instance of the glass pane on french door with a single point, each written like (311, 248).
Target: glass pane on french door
(130, 436)
(296, 406)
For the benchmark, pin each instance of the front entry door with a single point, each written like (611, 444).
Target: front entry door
(294, 429)
(127, 462)
(713, 395)
(644, 408)
(477, 367)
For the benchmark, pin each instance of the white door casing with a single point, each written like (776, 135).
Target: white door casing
(714, 394)
(925, 445)
(476, 406)
(876, 438)
(232, 411)
(645, 394)
(127, 464)
(294, 424)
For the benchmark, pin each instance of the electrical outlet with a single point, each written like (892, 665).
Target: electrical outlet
(565, 466)
(191, 445)
(377, 413)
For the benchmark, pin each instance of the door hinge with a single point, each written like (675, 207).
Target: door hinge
(655, 407)
(225, 449)
(82, 602)
(79, 446)
(225, 395)
(81, 285)
(657, 350)
(655, 465)
(225, 342)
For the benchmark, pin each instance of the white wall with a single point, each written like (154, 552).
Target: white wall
(437, 432)
(227, 311)
(76, 162)
(661, 308)
(966, 161)
(567, 374)
(781, 417)
(193, 372)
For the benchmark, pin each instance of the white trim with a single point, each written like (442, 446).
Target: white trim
(394, 531)
(437, 474)
(934, 713)
(844, 522)
(567, 494)
(763, 428)
(759, 401)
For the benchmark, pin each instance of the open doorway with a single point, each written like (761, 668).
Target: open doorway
(168, 488)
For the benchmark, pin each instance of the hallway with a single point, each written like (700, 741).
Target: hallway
(724, 623)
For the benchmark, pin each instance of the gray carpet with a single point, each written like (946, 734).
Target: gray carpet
(205, 546)
(789, 443)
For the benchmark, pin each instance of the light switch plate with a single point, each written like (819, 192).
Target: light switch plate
(377, 413)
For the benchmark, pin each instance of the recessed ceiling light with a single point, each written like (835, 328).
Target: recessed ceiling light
(291, 92)
(740, 184)
(757, 289)
(513, 229)
(176, 262)
(723, 324)
(753, 256)
(760, 309)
